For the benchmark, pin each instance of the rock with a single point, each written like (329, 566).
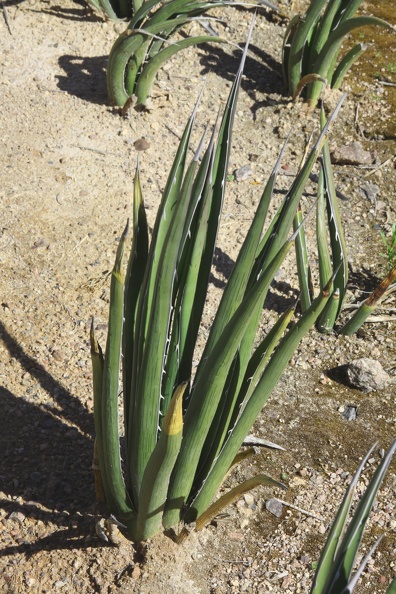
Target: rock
(274, 506)
(249, 499)
(243, 173)
(367, 375)
(142, 144)
(352, 154)
(17, 517)
(286, 582)
(136, 572)
(58, 355)
(348, 412)
(369, 191)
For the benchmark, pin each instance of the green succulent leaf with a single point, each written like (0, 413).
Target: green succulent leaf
(345, 64)
(392, 588)
(299, 41)
(146, 78)
(217, 507)
(368, 306)
(333, 573)
(159, 467)
(338, 247)
(108, 437)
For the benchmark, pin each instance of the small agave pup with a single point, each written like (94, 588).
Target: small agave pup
(334, 571)
(183, 432)
(332, 255)
(139, 52)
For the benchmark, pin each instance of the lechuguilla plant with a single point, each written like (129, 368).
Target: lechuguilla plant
(183, 430)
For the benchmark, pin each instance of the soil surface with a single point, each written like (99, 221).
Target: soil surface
(67, 163)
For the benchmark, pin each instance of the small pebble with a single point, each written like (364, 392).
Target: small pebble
(141, 145)
(243, 173)
(349, 413)
(58, 355)
(249, 499)
(274, 506)
(17, 517)
(369, 191)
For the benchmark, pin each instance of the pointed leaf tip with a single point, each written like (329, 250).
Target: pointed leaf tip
(173, 422)
(249, 37)
(126, 230)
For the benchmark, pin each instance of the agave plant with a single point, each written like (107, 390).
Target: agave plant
(312, 45)
(332, 256)
(142, 49)
(183, 430)
(116, 10)
(334, 571)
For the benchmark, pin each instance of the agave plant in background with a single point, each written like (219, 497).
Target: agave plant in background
(334, 571)
(141, 50)
(183, 433)
(312, 45)
(116, 10)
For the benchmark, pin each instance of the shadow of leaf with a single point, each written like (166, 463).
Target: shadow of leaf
(45, 462)
(262, 73)
(84, 78)
(84, 13)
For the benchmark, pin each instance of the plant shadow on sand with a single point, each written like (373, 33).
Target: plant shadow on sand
(279, 301)
(82, 11)
(262, 73)
(45, 466)
(84, 78)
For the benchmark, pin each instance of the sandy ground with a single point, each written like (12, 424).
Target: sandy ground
(67, 162)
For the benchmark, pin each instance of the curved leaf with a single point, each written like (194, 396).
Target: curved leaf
(146, 79)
